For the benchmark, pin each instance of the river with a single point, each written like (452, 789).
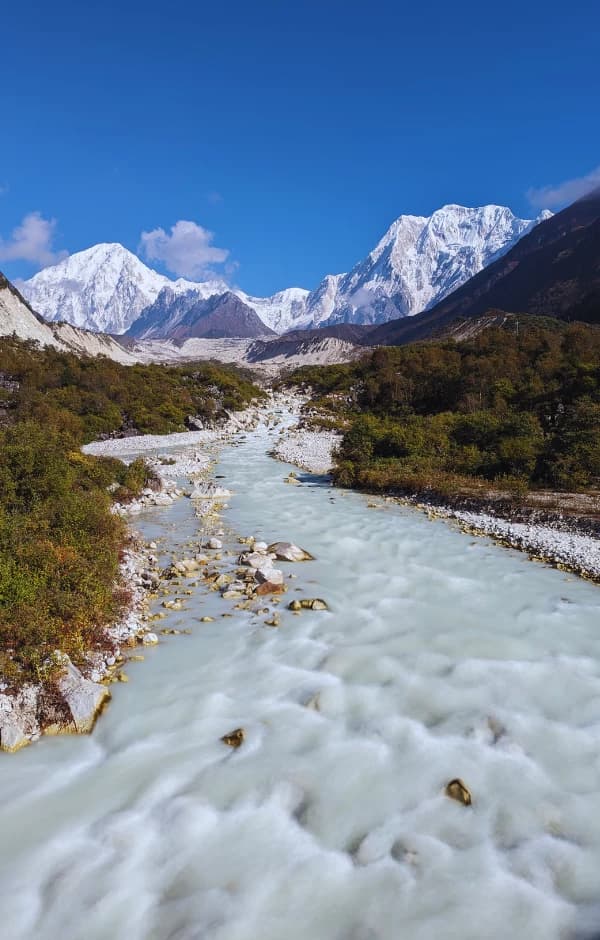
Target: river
(442, 656)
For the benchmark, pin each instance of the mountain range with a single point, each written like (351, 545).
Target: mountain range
(418, 262)
(552, 271)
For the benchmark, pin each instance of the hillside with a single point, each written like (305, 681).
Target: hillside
(17, 318)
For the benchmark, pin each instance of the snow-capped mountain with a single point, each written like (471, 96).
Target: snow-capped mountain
(104, 288)
(418, 262)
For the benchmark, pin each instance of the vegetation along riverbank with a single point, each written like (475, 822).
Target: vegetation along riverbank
(68, 569)
(500, 432)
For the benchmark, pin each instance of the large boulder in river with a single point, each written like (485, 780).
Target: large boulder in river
(254, 559)
(84, 698)
(287, 551)
(18, 718)
(267, 573)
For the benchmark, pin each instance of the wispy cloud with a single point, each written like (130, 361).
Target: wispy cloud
(32, 241)
(214, 198)
(561, 194)
(3, 189)
(187, 251)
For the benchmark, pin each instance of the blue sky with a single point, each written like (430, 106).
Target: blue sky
(295, 132)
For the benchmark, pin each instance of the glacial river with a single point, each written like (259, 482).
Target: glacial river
(442, 656)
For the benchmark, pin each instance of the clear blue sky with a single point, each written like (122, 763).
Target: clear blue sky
(296, 132)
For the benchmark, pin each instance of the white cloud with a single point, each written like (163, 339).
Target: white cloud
(32, 241)
(561, 194)
(187, 251)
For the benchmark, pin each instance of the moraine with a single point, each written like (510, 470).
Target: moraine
(442, 656)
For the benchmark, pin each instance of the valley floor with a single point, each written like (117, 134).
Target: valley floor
(559, 539)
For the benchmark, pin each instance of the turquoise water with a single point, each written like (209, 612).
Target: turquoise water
(441, 656)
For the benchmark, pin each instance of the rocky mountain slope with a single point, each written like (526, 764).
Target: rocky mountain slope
(418, 262)
(553, 271)
(183, 316)
(220, 316)
(18, 319)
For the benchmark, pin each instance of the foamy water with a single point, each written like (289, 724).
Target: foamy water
(442, 656)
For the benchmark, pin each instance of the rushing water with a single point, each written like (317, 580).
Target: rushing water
(442, 656)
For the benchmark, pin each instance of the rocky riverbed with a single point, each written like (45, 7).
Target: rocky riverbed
(253, 580)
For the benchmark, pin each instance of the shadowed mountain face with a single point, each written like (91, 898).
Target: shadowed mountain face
(553, 271)
(221, 316)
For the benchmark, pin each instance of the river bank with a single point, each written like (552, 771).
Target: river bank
(565, 540)
(71, 701)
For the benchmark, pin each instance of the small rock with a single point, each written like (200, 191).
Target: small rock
(457, 790)
(207, 619)
(308, 603)
(234, 738)
(150, 639)
(215, 544)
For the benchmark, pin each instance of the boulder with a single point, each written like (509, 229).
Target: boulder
(84, 698)
(194, 423)
(253, 559)
(267, 587)
(18, 718)
(267, 573)
(287, 551)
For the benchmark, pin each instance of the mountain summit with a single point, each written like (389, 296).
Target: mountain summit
(104, 288)
(554, 271)
(419, 261)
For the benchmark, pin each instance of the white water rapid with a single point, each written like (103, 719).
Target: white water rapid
(442, 656)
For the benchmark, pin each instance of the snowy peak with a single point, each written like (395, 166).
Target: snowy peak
(103, 288)
(419, 261)
(415, 265)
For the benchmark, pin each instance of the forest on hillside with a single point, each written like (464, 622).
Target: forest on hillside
(518, 409)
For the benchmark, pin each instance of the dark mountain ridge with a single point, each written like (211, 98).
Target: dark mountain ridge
(553, 271)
